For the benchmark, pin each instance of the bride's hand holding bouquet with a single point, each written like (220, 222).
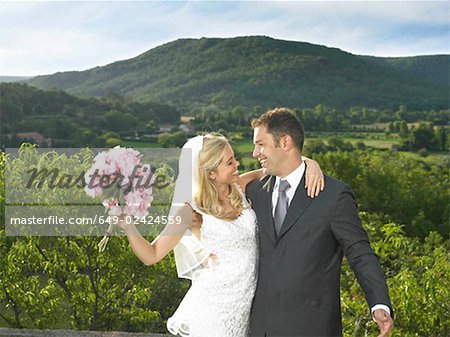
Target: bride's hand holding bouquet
(124, 184)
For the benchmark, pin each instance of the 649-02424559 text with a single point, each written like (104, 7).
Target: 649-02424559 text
(94, 220)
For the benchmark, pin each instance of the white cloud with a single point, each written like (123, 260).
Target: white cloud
(45, 37)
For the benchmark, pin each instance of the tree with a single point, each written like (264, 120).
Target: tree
(360, 145)
(423, 137)
(403, 130)
(111, 142)
(395, 185)
(418, 277)
(46, 282)
(401, 113)
(335, 143)
(391, 127)
(176, 139)
(423, 152)
(119, 121)
(85, 137)
(441, 136)
(315, 146)
(64, 282)
(151, 126)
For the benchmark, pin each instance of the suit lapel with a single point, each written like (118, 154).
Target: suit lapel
(266, 207)
(298, 205)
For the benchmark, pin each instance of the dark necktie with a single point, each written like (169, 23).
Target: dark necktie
(282, 205)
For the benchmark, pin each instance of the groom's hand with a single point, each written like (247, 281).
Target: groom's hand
(384, 321)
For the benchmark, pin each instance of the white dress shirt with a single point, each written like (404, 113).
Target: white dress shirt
(294, 179)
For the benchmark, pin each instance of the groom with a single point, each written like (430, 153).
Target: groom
(303, 240)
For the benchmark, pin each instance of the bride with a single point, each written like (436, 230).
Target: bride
(215, 243)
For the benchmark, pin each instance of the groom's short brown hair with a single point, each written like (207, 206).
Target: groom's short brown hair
(280, 122)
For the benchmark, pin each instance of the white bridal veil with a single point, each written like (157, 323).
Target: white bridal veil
(190, 253)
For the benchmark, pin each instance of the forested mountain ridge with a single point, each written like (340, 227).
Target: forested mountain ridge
(431, 68)
(75, 121)
(13, 78)
(256, 70)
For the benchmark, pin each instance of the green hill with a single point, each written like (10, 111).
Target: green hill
(13, 78)
(73, 121)
(431, 68)
(249, 71)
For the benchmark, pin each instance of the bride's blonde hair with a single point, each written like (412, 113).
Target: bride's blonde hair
(207, 197)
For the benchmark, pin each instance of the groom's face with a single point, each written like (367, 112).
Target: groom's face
(270, 156)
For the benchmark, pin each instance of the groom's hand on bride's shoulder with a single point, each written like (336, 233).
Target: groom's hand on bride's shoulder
(384, 321)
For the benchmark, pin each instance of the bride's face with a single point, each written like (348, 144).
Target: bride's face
(227, 171)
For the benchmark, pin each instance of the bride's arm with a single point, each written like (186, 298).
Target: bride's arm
(151, 253)
(314, 178)
(247, 177)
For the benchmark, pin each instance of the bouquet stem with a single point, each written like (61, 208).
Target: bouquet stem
(102, 244)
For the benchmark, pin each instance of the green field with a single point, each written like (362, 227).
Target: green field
(243, 146)
(375, 141)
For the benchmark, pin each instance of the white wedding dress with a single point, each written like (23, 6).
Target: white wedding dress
(219, 300)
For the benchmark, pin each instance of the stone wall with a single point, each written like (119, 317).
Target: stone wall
(6, 332)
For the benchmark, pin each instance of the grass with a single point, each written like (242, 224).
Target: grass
(375, 143)
(243, 146)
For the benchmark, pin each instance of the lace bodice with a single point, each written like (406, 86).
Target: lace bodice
(219, 300)
(230, 238)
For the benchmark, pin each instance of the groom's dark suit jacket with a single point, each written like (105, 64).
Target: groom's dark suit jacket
(299, 270)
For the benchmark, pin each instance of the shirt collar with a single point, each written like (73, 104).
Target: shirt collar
(293, 178)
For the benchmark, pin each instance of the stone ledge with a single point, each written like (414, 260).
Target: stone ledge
(6, 332)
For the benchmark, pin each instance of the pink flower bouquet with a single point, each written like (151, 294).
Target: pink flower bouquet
(124, 184)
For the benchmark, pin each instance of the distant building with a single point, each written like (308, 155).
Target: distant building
(165, 128)
(186, 119)
(34, 137)
(186, 124)
(187, 128)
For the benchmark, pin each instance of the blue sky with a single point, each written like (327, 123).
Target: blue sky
(46, 37)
